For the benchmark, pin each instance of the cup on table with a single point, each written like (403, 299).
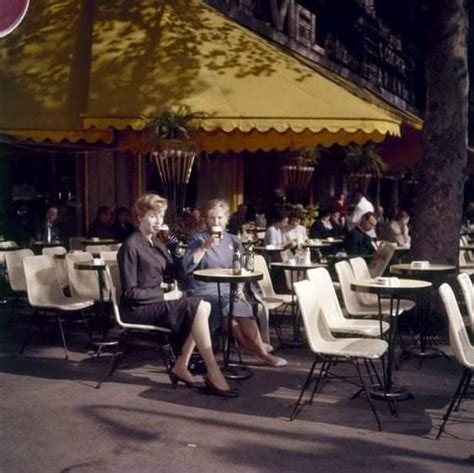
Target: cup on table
(216, 234)
(330, 238)
(95, 239)
(420, 264)
(98, 261)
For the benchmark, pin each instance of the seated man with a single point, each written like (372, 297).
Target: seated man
(49, 230)
(358, 241)
(102, 226)
(237, 220)
(398, 231)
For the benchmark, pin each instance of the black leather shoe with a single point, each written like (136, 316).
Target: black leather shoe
(210, 388)
(175, 379)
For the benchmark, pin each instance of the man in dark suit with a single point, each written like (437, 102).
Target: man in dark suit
(358, 242)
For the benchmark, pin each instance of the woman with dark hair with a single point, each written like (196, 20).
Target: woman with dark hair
(214, 248)
(274, 235)
(143, 262)
(323, 227)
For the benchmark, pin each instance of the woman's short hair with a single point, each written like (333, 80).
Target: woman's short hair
(147, 202)
(401, 215)
(278, 216)
(215, 204)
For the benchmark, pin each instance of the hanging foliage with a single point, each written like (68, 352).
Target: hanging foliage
(174, 151)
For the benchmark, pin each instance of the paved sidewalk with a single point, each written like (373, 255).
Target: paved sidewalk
(53, 420)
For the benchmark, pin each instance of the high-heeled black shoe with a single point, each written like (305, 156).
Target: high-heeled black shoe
(213, 389)
(175, 379)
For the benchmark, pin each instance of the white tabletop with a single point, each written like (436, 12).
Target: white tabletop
(407, 268)
(403, 285)
(225, 275)
(298, 266)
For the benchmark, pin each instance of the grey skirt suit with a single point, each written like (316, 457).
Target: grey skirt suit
(218, 256)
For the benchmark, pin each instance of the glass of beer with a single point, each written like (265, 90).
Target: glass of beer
(163, 233)
(216, 233)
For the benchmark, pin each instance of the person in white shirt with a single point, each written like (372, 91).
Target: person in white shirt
(362, 206)
(398, 231)
(295, 232)
(273, 235)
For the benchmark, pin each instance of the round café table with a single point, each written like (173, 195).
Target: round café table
(99, 267)
(296, 270)
(103, 241)
(432, 270)
(404, 287)
(431, 273)
(262, 249)
(222, 276)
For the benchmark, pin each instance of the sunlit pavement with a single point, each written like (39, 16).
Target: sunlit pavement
(54, 420)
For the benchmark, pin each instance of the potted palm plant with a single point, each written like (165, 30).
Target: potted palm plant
(174, 150)
(361, 164)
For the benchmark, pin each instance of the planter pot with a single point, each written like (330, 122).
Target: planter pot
(295, 180)
(174, 160)
(358, 180)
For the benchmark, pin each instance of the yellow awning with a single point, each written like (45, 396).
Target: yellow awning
(56, 136)
(154, 55)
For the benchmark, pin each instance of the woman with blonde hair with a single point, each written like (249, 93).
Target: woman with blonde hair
(214, 248)
(143, 261)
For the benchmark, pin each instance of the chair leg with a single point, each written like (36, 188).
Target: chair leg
(367, 394)
(117, 357)
(63, 338)
(12, 311)
(367, 368)
(374, 369)
(168, 356)
(322, 372)
(277, 328)
(465, 376)
(28, 332)
(464, 391)
(303, 389)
